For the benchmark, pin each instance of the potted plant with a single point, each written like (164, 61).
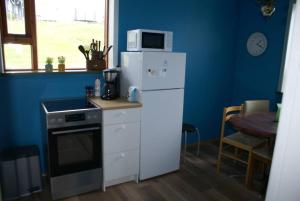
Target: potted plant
(268, 7)
(49, 64)
(61, 63)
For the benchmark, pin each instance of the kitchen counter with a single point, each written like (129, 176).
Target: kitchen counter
(114, 104)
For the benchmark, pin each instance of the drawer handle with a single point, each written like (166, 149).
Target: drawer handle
(120, 156)
(123, 127)
(123, 113)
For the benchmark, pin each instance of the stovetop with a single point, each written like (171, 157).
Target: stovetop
(68, 104)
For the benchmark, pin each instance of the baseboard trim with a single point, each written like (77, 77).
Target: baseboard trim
(206, 142)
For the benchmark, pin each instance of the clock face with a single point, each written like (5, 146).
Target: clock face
(257, 44)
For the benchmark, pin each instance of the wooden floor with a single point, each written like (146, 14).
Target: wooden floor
(196, 181)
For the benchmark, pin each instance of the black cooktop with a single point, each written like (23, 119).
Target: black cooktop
(67, 104)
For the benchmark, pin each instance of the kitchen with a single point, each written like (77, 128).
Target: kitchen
(209, 80)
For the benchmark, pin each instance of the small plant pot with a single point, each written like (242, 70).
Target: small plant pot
(49, 67)
(61, 67)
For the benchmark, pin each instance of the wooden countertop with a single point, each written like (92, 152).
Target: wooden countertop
(114, 104)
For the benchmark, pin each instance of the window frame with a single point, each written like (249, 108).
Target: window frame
(30, 36)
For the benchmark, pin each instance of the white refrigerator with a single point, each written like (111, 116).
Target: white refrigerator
(159, 77)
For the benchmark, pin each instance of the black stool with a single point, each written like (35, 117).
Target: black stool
(190, 129)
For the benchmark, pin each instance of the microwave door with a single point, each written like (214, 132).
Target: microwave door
(153, 40)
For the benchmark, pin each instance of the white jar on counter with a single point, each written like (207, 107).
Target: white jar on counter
(97, 87)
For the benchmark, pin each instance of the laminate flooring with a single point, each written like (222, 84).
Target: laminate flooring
(196, 180)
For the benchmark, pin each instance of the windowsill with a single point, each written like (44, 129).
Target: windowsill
(42, 72)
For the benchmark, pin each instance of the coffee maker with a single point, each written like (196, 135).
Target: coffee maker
(110, 89)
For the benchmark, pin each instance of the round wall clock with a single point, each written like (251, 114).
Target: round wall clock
(257, 44)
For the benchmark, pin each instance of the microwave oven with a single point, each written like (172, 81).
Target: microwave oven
(149, 40)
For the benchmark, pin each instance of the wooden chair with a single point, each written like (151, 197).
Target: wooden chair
(236, 141)
(262, 155)
(252, 106)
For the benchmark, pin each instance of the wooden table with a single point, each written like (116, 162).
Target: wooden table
(257, 124)
(260, 125)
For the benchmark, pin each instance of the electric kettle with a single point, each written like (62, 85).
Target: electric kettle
(132, 94)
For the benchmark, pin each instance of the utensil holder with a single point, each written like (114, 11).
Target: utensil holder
(95, 64)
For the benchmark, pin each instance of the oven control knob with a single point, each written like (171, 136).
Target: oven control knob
(52, 121)
(88, 117)
(60, 120)
(95, 116)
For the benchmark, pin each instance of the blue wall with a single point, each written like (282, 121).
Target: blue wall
(3, 114)
(23, 96)
(206, 31)
(257, 77)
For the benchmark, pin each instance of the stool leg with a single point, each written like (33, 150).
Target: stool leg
(185, 143)
(198, 143)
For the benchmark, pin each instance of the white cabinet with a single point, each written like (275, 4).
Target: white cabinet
(120, 137)
(121, 145)
(120, 116)
(121, 165)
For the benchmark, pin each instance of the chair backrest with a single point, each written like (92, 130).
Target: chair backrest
(252, 106)
(228, 113)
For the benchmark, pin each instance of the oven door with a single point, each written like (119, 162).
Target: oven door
(74, 149)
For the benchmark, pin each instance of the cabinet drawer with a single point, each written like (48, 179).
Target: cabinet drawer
(120, 165)
(121, 116)
(121, 137)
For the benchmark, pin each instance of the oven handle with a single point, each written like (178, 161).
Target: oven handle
(75, 130)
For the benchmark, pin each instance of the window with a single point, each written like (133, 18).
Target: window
(33, 30)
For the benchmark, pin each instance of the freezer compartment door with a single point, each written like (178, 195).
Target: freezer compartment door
(161, 124)
(163, 70)
(131, 75)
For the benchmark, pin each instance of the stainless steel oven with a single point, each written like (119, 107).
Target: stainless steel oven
(74, 147)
